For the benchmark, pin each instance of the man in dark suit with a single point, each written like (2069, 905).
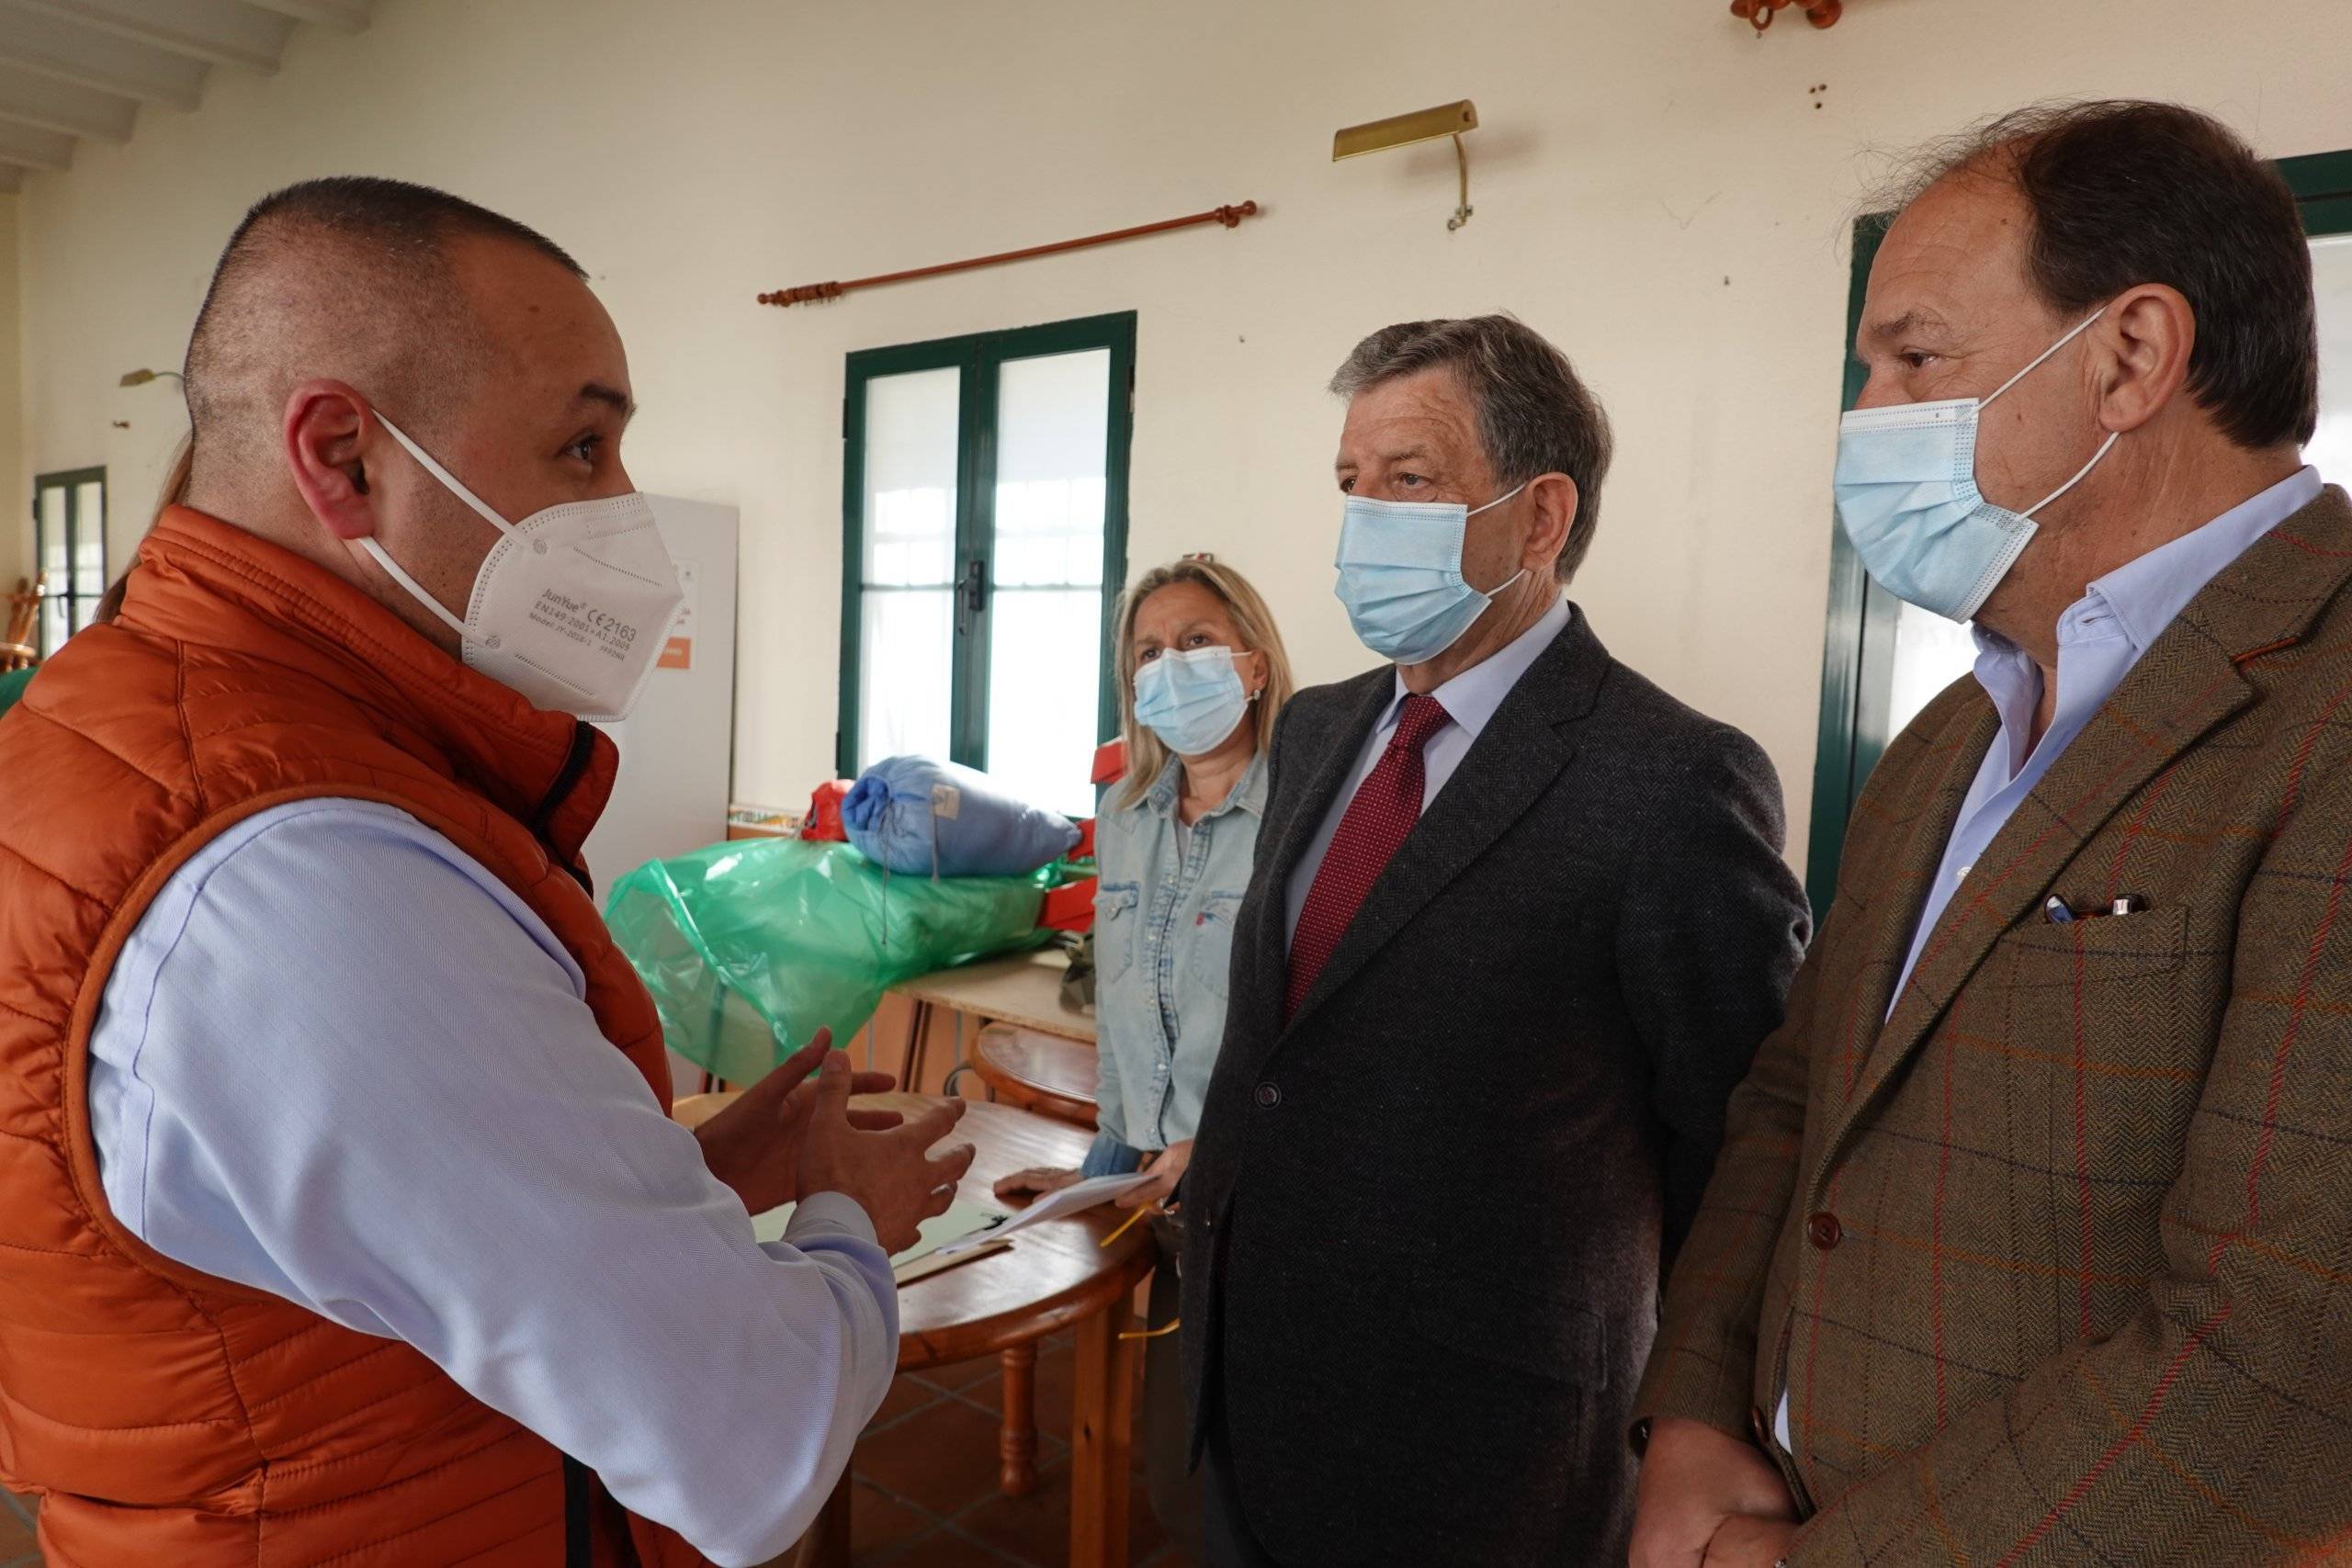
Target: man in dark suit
(1518, 922)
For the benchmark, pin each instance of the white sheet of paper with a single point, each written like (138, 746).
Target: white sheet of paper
(962, 1222)
(1070, 1200)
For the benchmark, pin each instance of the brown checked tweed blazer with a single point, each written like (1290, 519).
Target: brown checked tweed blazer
(2055, 1262)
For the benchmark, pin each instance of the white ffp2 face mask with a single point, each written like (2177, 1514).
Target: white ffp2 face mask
(570, 606)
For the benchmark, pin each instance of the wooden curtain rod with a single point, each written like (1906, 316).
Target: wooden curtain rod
(808, 293)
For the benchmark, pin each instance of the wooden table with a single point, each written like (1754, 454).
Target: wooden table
(1024, 988)
(1043, 1073)
(1055, 1275)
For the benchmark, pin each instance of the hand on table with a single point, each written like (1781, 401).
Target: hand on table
(888, 1171)
(1026, 1186)
(1166, 1170)
(1708, 1500)
(753, 1145)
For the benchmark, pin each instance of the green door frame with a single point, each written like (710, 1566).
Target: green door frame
(1858, 657)
(70, 481)
(978, 357)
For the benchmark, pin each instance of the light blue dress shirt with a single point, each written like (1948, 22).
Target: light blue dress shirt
(339, 1061)
(1163, 948)
(1470, 699)
(2100, 638)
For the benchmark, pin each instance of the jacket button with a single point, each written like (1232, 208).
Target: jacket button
(1824, 1231)
(1268, 1096)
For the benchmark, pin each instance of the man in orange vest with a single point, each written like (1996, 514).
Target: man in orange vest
(343, 1217)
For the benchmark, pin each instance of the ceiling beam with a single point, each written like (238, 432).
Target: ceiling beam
(87, 58)
(343, 15)
(217, 32)
(11, 177)
(33, 99)
(35, 149)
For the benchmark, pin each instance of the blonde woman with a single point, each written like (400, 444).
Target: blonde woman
(1202, 676)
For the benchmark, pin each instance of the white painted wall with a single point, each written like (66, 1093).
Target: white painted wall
(1654, 188)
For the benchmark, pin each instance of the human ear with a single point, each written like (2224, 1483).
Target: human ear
(1555, 499)
(2145, 345)
(324, 427)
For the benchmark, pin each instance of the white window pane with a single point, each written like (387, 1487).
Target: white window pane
(90, 539)
(1930, 653)
(2332, 270)
(52, 624)
(911, 433)
(1044, 689)
(1053, 436)
(904, 667)
(55, 549)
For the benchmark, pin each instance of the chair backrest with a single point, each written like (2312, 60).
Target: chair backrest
(17, 647)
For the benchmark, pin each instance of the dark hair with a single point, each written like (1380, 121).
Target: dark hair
(2124, 192)
(372, 248)
(1534, 416)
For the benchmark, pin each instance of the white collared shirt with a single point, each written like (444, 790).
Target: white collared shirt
(339, 1061)
(1469, 699)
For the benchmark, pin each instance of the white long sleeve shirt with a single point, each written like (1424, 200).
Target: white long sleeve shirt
(339, 1062)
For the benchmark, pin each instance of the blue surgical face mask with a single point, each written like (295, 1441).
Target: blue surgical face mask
(1907, 497)
(1193, 701)
(1400, 575)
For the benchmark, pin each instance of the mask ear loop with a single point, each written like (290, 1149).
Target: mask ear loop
(2020, 375)
(383, 556)
(2112, 436)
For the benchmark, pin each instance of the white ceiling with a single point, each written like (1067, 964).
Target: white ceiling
(70, 69)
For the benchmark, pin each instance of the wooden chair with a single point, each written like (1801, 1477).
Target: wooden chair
(17, 648)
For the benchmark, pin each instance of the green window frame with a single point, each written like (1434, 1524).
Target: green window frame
(978, 357)
(79, 597)
(1858, 655)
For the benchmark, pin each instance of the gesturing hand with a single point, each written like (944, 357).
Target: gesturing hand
(1699, 1484)
(889, 1171)
(753, 1145)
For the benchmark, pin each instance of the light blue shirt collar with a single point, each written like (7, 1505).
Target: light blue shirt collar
(2128, 610)
(1470, 698)
(1248, 796)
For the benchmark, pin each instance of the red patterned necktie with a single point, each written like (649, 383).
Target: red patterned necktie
(1385, 806)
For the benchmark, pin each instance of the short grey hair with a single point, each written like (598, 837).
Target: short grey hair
(1534, 415)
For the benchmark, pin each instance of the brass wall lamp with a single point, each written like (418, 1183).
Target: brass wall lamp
(1405, 129)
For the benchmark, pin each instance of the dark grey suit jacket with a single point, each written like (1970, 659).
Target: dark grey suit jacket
(1427, 1216)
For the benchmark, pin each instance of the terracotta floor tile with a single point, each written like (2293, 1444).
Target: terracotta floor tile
(942, 1458)
(1036, 1527)
(962, 1374)
(880, 1524)
(947, 1550)
(907, 1396)
(1054, 1384)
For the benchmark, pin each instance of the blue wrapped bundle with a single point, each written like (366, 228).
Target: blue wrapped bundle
(921, 815)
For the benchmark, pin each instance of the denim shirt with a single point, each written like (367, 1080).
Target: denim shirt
(1163, 940)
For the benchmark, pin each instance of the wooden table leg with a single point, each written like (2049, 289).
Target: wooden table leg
(1102, 1421)
(1017, 1444)
(910, 1064)
(826, 1544)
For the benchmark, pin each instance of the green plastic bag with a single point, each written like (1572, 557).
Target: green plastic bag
(749, 946)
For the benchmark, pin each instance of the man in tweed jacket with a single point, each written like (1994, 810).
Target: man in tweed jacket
(2030, 1238)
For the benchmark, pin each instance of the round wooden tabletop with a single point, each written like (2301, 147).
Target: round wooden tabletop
(1054, 1274)
(1043, 1073)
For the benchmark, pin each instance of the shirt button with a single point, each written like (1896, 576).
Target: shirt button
(1269, 1097)
(1961, 874)
(1824, 1231)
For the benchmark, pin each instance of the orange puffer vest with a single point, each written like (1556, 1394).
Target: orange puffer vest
(166, 1416)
